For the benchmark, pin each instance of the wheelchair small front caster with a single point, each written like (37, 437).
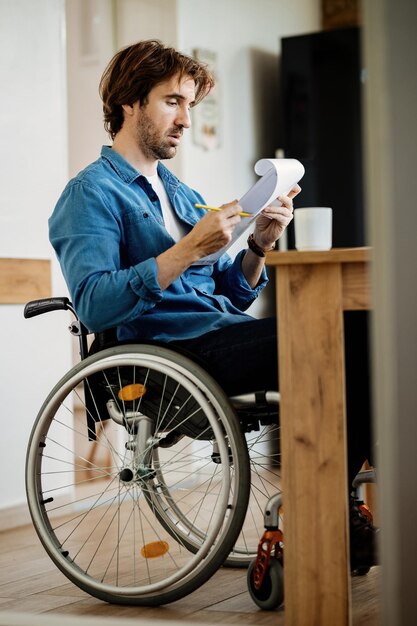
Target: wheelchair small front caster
(270, 594)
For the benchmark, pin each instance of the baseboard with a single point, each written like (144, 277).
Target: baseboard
(14, 516)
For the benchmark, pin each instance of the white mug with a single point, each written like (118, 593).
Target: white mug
(313, 228)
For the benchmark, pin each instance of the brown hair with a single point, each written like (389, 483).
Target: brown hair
(134, 71)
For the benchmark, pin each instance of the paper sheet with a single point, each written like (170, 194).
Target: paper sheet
(278, 177)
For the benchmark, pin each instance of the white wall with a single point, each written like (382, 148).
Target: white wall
(90, 46)
(33, 153)
(145, 19)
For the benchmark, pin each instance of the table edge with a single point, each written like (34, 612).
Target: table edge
(335, 255)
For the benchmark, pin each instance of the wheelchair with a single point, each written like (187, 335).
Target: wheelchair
(143, 478)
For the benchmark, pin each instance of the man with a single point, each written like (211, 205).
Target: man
(129, 240)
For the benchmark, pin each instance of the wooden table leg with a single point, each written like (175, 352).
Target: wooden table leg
(313, 440)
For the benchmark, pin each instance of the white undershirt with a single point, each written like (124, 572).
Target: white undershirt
(174, 226)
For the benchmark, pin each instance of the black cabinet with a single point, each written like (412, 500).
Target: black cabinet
(321, 78)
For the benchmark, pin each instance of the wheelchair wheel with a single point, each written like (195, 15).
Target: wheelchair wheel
(271, 593)
(158, 516)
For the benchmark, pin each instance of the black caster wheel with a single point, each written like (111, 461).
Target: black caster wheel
(271, 593)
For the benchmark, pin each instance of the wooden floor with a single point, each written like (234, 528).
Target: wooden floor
(30, 583)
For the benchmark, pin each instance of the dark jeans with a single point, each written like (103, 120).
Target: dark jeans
(243, 358)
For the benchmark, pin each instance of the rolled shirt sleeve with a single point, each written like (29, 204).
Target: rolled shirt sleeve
(231, 282)
(145, 284)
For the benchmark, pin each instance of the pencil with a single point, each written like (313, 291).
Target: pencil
(216, 208)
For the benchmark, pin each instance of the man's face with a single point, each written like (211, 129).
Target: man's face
(161, 121)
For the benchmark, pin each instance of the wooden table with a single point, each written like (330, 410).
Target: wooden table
(313, 289)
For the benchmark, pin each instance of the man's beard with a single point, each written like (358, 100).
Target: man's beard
(153, 143)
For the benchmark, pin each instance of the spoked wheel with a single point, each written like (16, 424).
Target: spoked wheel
(149, 511)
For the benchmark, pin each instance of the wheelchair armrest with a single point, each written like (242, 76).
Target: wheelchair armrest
(37, 307)
(77, 328)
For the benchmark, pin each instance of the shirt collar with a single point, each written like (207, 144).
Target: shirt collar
(128, 173)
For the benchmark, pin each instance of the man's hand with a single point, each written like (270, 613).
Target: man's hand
(215, 229)
(273, 220)
(211, 233)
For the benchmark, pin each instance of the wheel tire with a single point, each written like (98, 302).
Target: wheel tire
(271, 593)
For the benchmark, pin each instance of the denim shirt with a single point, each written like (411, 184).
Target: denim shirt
(107, 230)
